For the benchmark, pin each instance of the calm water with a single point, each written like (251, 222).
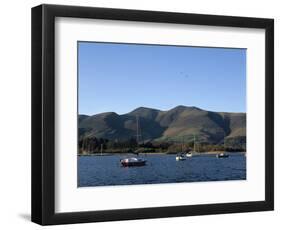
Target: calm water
(107, 170)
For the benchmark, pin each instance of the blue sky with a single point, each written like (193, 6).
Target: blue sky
(122, 77)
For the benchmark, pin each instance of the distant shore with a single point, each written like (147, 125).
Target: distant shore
(158, 153)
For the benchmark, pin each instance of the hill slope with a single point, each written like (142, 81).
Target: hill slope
(178, 123)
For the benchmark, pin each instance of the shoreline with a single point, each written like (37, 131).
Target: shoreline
(146, 154)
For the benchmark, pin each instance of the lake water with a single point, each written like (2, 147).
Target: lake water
(160, 168)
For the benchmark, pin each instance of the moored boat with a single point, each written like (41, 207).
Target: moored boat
(222, 155)
(132, 161)
(180, 157)
(190, 154)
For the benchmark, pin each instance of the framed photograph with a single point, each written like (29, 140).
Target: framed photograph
(142, 114)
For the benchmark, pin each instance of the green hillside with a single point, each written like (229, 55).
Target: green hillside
(179, 124)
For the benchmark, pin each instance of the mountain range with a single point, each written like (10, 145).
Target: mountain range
(177, 124)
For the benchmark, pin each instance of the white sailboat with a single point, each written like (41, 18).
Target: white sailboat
(134, 161)
(180, 156)
(223, 154)
(190, 154)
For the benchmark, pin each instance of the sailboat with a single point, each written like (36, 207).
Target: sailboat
(223, 154)
(180, 156)
(134, 161)
(101, 149)
(190, 154)
(85, 147)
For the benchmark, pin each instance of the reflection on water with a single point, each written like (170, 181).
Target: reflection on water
(160, 168)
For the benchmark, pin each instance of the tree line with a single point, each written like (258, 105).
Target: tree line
(91, 145)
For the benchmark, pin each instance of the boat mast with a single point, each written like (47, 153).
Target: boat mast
(224, 142)
(88, 146)
(194, 143)
(138, 130)
(83, 145)
(137, 120)
(101, 148)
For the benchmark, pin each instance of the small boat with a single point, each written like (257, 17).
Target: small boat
(180, 157)
(193, 152)
(133, 161)
(222, 155)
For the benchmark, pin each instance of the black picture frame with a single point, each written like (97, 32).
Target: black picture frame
(43, 114)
